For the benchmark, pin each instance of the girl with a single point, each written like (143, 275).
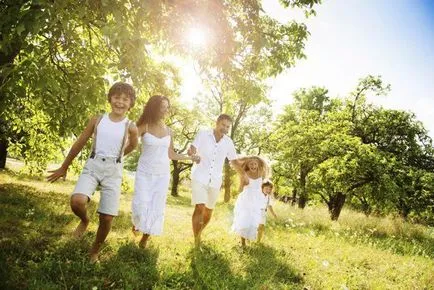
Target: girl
(153, 169)
(247, 210)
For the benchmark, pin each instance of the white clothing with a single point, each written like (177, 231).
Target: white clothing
(151, 185)
(265, 201)
(154, 158)
(247, 210)
(204, 194)
(109, 137)
(212, 157)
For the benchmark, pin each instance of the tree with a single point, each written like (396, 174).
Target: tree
(185, 124)
(296, 143)
(54, 53)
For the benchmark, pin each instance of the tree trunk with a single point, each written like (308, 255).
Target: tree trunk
(227, 181)
(175, 178)
(294, 196)
(335, 205)
(3, 153)
(404, 208)
(302, 200)
(366, 208)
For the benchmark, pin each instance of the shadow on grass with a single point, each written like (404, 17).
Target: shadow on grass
(264, 270)
(267, 270)
(31, 223)
(37, 251)
(211, 270)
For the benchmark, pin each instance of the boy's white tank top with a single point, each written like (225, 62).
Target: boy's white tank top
(109, 136)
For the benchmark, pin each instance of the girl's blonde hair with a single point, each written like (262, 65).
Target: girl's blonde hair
(263, 168)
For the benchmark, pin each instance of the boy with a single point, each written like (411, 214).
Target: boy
(266, 200)
(114, 136)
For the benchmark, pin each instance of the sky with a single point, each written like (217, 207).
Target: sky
(353, 38)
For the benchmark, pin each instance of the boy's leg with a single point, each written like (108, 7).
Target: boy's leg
(108, 204)
(261, 230)
(79, 207)
(105, 223)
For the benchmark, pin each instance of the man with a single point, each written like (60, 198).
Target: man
(213, 146)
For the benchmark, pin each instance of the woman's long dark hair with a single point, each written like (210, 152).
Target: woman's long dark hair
(151, 111)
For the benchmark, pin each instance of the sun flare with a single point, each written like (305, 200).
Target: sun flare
(197, 37)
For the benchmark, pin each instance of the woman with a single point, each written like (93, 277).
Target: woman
(153, 170)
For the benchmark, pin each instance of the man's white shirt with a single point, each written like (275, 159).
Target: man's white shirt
(212, 157)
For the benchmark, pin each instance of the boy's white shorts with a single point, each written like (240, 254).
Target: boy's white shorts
(103, 171)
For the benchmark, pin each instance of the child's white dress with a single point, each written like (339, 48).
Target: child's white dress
(247, 210)
(151, 185)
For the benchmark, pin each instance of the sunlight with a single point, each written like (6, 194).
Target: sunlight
(196, 37)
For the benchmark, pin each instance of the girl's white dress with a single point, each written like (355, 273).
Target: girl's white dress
(247, 210)
(151, 185)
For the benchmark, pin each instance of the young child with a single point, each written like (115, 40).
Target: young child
(266, 202)
(113, 136)
(247, 210)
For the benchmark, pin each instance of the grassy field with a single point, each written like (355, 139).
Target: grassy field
(301, 250)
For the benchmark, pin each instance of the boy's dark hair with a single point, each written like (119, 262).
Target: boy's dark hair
(224, 117)
(267, 184)
(119, 88)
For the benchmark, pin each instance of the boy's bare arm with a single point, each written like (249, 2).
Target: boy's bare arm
(132, 139)
(75, 149)
(272, 211)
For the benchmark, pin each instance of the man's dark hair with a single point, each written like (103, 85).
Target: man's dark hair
(224, 117)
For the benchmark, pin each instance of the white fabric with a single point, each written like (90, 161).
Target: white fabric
(109, 137)
(265, 201)
(151, 185)
(149, 202)
(212, 156)
(154, 158)
(204, 194)
(107, 173)
(247, 210)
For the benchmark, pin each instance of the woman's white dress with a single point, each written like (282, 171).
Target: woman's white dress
(151, 185)
(247, 210)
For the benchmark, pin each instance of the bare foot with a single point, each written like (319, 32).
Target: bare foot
(143, 241)
(81, 228)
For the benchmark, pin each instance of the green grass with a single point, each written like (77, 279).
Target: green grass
(301, 250)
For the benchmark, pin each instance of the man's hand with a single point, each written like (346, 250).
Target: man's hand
(191, 151)
(56, 174)
(195, 158)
